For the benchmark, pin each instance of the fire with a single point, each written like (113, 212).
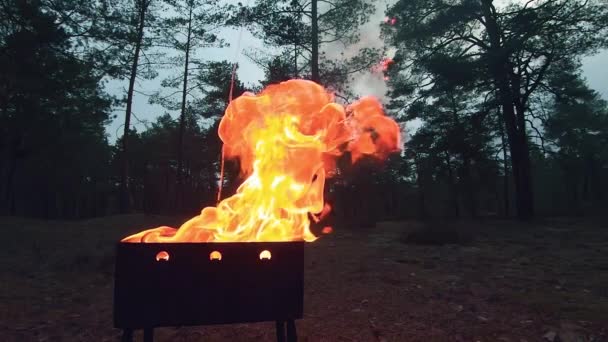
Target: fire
(287, 139)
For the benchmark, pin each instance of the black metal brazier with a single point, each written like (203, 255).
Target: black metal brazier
(185, 284)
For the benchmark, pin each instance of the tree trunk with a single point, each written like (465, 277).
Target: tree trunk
(505, 169)
(314, 58)
(525, 198)
(9, 188)
(7, 197)
(182, 122)
(595, 186)
(295, 46)
(421, 182)
(514, 121)
(125, 200)
(295, 60)
(453, 186)
(471, 194)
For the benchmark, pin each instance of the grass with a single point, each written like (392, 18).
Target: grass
(400, 281)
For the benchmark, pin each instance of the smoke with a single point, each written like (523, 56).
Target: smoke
(370, 81)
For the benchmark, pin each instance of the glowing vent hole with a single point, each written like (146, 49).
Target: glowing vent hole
(162, 256)
(215, 255)
(265, 254)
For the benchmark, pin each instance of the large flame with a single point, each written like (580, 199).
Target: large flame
(287, 139)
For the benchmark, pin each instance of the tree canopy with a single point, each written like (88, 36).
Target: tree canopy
(504, 115)
(501, 55)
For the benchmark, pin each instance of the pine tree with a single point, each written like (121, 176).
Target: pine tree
(506, 52)
(301, 30)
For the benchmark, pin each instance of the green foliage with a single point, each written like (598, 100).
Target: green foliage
(192, 25)
(485, 82)
(498, 59)
(51, 121)
(214, 81)
(287, 26)
(121, 36)
(278, 70)
(578, 120)
(104, 32)
(576, 125)
(153, 165)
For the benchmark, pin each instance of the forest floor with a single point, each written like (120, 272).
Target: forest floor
(542, 281)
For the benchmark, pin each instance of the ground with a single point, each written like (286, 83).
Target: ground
(542, 281)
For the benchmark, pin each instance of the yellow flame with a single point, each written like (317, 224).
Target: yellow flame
(286, 139)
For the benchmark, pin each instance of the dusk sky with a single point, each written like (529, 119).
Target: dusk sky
(595, 69)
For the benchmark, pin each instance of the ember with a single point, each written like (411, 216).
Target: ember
(386, 63)
(287, 139)
(390, 21)
(382, 67)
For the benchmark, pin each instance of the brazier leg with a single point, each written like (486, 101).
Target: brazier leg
(292, 336)
(148, 334)
(127, 335)
(280, 327)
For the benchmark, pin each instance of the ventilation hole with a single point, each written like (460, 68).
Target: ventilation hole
(162, 256)
(265, 254)
(215, 255)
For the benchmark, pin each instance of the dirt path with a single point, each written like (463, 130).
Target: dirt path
(541, 282)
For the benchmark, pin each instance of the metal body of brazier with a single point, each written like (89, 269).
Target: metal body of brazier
(187, 285)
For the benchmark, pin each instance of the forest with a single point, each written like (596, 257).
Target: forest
(489, 224)
(508, 126)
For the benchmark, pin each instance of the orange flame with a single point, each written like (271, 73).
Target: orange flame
(287, 139)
